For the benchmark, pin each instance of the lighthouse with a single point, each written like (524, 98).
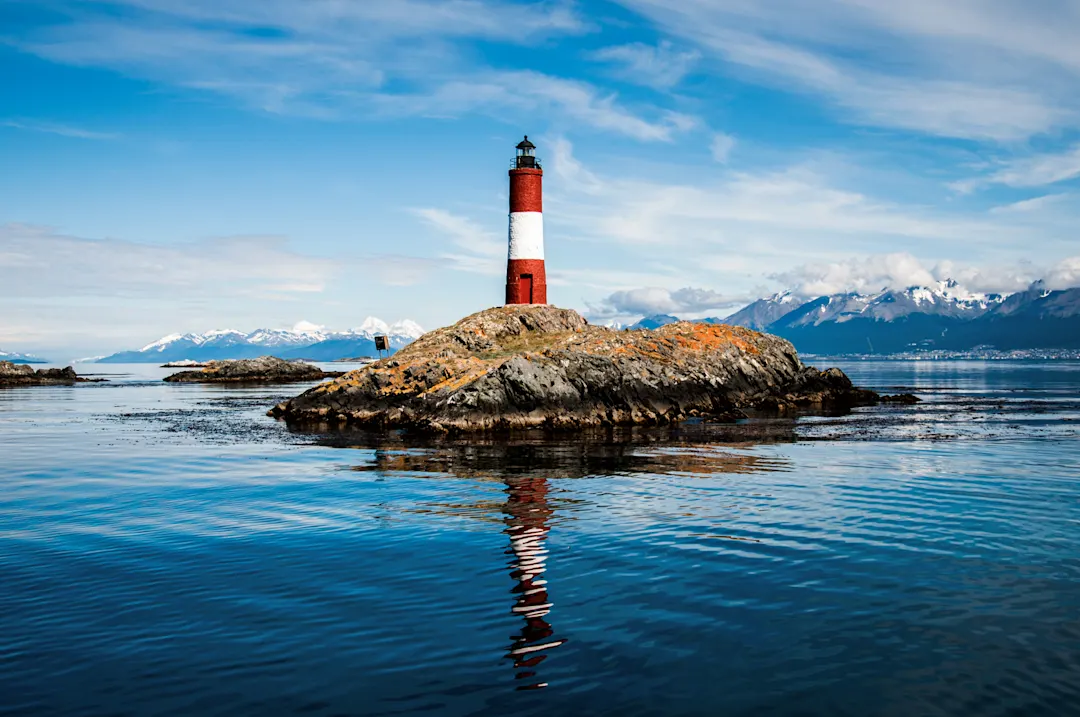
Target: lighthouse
(526, 280)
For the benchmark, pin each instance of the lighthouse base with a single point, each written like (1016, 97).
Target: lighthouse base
(526, 281)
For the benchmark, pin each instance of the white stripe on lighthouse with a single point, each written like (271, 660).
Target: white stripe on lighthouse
(526, 235)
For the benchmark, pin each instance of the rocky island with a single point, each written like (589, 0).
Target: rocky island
(265, 369)
(527, 366)
(14, 374)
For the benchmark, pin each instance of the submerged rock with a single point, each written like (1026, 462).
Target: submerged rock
(541, 366)
(906, 399)
(14, 374)
(264, 369)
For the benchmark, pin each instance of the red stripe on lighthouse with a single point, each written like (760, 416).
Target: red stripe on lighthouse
(526, 281)
(526, 190)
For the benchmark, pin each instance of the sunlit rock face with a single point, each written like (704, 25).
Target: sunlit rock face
(542, 366)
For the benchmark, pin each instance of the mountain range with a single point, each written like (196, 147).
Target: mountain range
(20, 358)
(944, 316)
(305, 340)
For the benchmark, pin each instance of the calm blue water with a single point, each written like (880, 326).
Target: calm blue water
(166, 549)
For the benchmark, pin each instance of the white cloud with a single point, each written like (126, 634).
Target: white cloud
(489, 19)
(650, 300)
(335, 60)
(37, 261)
(1065, 274)
(1034, 171)
(735, 230)
(483, 251)
(721, 146)
(990, 279)
(862, 274)
(1034, 204)
(962, 69)
(524, 93)
(60, 290)
(660, 66)
(571, 173)
(58, 129)
(900, 270)
(789, 211)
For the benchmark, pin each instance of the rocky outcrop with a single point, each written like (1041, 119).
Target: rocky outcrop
(541, 366)
(14, 374)
(266, 369)
(904, 399)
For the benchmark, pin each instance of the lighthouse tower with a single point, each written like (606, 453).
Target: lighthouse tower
(526, 280)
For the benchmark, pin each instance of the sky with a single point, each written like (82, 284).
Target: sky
(185, 165)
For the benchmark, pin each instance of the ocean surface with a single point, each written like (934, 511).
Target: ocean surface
(168, 550)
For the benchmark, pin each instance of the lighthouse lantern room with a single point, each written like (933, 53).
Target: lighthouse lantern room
(526, 279)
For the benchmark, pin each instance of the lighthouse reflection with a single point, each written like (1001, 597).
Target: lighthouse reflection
(527, 516)
(526, 468)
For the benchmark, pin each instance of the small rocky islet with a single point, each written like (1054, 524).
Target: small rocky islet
(17, 374)
(265, 369)
(539, 366)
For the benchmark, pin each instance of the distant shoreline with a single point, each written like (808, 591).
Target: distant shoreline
(973, 355)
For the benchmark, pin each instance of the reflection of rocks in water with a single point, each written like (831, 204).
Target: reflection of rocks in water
(527, 513)
(689, 449)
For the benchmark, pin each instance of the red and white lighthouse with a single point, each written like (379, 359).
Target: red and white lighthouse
(526, 280)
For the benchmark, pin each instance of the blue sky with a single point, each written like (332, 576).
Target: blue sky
(181, 165)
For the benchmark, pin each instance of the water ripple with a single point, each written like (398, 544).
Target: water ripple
(171, 551)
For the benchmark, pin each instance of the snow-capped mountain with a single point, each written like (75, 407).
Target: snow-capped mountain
(946, 299)
(765, 311)
(944, 316)
(14, 357)
(304, 340)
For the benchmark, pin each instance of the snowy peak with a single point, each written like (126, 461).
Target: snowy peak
(15, 357)
(372, 326)
(942, 316)
(407, 327)
(282, 337)
(783, 298)
(166, 341)
(945, 299)
(763, 312)
(949, 292)
(304, 340)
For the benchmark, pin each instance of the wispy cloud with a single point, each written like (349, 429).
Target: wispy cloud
(1033, 171)
(900, 270)
(660, 66)
(59, 129)
(1034, 204)
(334, 60)
(38, 261)
(721, 146)
(481, 251)
(793, 227)
(525, 93)
(797, 207)
(684, 302)
(1064, 275)
(965, 70)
